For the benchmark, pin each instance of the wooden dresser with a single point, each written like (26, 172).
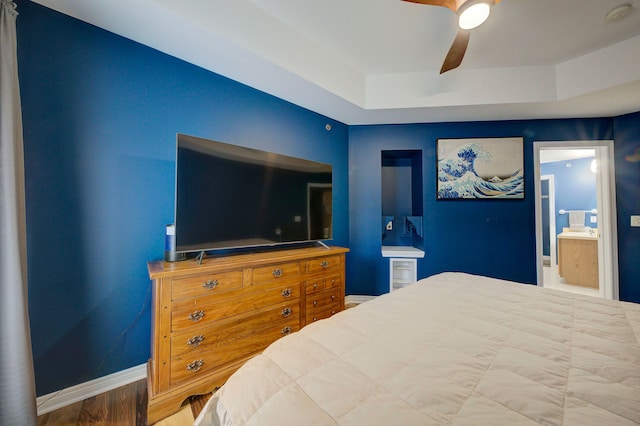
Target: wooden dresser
(208, 319)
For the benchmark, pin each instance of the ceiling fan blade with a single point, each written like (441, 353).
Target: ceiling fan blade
(456, 52)
(449, 4)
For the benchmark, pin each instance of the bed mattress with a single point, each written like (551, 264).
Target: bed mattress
(450, 349)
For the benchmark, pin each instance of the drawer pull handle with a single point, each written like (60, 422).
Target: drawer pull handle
(315, 303)
(195, 341)
(196, 316)
(333, 297)
(333, 312)
(324, 264)
(210, 284)
(286, 312)
(315, 285)
(277, 273)
(196, 365)
(315, 319)
(286, 292)
(286, 330)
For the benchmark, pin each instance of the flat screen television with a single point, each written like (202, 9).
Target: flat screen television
(231, 197)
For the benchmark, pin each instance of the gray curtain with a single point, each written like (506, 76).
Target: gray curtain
(17, 384)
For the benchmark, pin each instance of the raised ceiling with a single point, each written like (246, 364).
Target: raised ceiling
(378, 61)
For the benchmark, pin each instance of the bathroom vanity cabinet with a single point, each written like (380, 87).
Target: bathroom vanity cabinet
(578, 258)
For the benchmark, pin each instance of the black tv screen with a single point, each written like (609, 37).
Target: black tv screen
(228, 197)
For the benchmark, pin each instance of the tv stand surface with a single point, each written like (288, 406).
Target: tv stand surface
(210, 317)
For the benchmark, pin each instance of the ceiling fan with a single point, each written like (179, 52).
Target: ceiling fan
(471, 13)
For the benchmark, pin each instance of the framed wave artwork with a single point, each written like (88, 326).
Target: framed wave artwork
(482, 168)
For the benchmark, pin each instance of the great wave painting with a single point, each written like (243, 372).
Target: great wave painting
(480, 168)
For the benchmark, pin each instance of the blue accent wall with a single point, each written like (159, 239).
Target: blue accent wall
(101, 115)
(627, 164)
(489, 237)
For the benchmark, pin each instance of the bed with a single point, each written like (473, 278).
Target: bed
(453, 348)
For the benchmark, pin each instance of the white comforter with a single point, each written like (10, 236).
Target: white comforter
(451, 349)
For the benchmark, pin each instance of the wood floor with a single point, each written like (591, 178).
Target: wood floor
(122, 407)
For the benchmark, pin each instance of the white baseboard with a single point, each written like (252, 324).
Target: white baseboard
(73, 394)
(354, 298)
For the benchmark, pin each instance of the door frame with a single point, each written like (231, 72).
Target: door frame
(311, 187)
(606, 204)
(552, 220)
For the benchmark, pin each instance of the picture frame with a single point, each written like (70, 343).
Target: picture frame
(480, 168)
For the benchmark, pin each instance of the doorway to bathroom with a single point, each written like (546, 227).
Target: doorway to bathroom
(576, 235)
(319, 208)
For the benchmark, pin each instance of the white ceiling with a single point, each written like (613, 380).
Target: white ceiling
(553, 155)
(377, 61)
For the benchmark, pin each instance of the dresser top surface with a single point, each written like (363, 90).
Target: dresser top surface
(161, 268)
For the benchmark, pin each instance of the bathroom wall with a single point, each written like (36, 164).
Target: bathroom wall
(575, 189)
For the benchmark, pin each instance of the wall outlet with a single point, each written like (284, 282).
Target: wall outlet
(635, 220)
(594, 219)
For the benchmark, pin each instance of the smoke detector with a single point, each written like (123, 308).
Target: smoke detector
(618, 13)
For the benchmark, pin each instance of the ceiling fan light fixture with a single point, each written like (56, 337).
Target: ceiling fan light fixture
(473, 13)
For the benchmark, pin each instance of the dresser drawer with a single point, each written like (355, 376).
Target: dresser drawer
(321, 283)
(214, 336)
(322, 264)
(323, 299)
(205, 284)
(243, 343)
(278, 272)
(324, 304)
(323, 313)
(194, 312)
